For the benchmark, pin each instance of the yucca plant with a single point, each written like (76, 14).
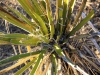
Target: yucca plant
(50, 32)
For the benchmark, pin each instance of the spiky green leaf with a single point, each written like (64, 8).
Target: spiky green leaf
(84, 21)
(25, 67)
(9, 17)
(13, 58)
(38, 62)
(30, 10)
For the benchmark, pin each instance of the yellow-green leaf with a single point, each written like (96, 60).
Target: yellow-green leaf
(9, 17)
(84, 21)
